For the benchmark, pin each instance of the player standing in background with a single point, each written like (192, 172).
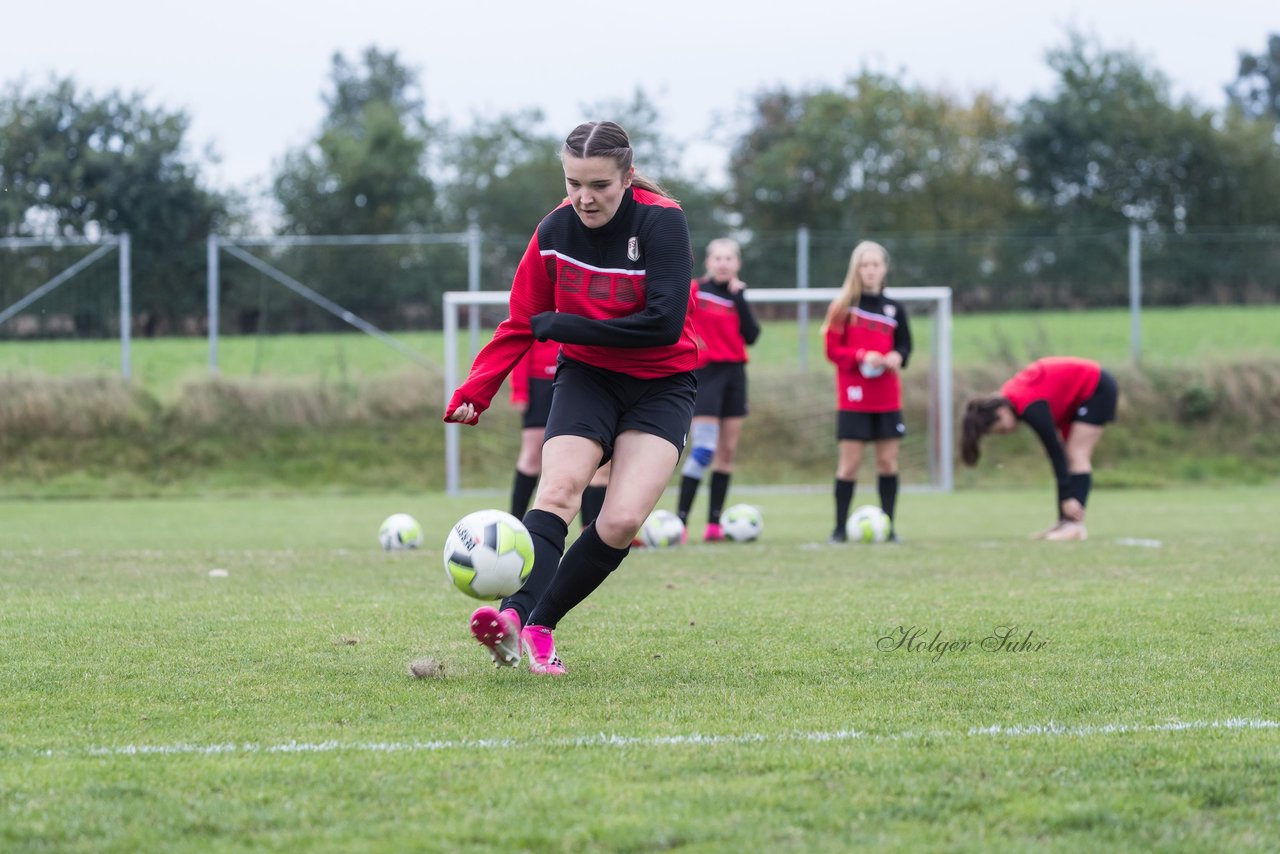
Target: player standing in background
(531, 384)
(725, 327)
(607, 275)
(1055, 395)
(868, 339)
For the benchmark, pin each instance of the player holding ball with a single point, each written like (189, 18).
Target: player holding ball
(868, 339)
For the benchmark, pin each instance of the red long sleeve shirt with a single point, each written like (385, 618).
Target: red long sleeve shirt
(877, 324)
(1063, 382)
(615, 297)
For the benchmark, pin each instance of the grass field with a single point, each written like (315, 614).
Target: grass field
(720, 698)
(1170, 337)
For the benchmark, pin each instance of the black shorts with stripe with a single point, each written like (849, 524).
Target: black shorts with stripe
(599, 404)
(869, 426)
(1100, 408)
(722, 390)
(539, 408)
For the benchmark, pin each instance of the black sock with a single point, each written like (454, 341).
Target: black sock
(844, 497)
(585, 566)
(592, 501)
(888, 485)
(548, 532)
(688, 489)
(719, 489)
(1079, 487)
(521, 492)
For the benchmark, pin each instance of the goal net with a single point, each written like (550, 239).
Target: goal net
(789, 437)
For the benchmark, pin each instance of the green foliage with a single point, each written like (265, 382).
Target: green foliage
(720, 698)
(364, 172)
(1256, 89)
(76, 164)
(1110, 147)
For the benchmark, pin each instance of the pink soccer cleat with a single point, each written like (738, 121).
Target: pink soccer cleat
(541, 649)
(713, 534)
(499, 632)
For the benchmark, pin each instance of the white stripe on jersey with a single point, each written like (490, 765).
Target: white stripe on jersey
(575, 262)
(718, 300)
(878, 318)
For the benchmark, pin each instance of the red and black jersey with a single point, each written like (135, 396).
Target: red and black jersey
(1063, 382)
(538, 364)
(615, 297)
(724, 322)
(877, 324)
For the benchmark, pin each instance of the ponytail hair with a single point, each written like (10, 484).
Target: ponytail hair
(608, 139)
(979, 416)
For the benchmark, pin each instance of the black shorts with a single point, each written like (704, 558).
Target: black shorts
(599, 404)
(722, 390)
(1100, 408)
(539, 408)
(869, 426)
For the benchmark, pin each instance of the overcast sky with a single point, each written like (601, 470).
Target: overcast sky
(251, 74)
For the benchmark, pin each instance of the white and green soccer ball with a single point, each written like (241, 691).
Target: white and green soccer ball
(868, 524)
(662, 530)
(400, 531)
(488, 554)
(742, 523)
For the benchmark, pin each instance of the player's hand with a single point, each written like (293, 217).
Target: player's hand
(463, 414)
(873, 359)
(540, 324)
(736, 285)
(893, 360)
(1072, 509)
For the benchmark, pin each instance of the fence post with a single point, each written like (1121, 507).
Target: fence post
(473, 282)
(802, 282)
(212, 276)
(126, 304)
(1135, 293)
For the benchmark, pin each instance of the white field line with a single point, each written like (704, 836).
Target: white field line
(1049, 730)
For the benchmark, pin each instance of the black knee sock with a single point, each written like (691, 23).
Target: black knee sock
(888, 485)
(585, 566)
(1079, 487)
(719, 489)
(592, 501)
(521, 491)
(688, 489)
(844, 497)
(548, 532)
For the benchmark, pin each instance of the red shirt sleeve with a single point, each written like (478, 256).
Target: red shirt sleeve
(531, 292)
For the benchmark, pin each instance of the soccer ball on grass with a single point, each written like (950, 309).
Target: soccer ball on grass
(400, 531)
(742, 523)
(663, 529)
(868, 524)
(488, 554)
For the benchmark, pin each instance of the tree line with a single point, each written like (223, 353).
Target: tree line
(1013, 204)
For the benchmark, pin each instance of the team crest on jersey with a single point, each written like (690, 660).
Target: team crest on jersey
(891, 311)
(633, 249)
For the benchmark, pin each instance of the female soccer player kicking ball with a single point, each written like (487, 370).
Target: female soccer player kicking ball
(606, 274)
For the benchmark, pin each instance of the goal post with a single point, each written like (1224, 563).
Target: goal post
(791, 375)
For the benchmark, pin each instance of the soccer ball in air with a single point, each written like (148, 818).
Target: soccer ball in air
(663, 529)
(742, 523)
(488, 554)
(400, 531)
(868, 524)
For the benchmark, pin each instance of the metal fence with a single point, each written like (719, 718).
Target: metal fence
(382, 284)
